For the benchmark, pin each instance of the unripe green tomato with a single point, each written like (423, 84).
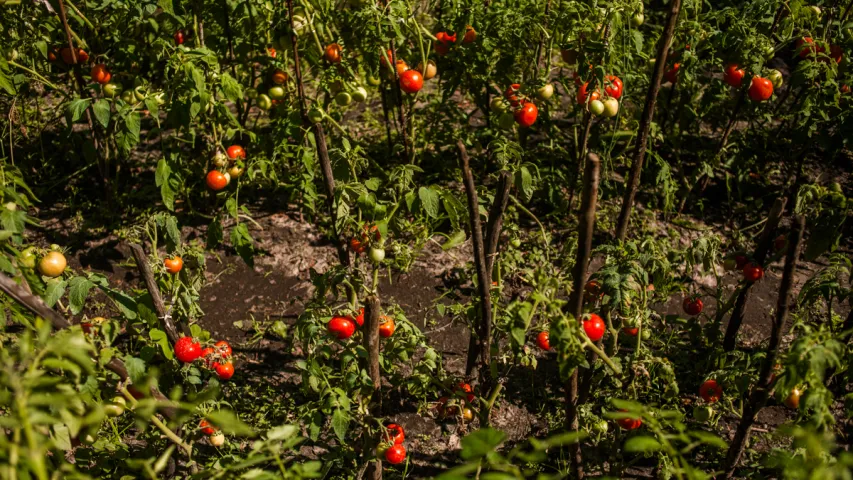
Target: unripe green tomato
(646, 334)
(506, 121)
(359, 94)
(611, 107)
(729, 264)
(12, 55)
(11, 206)
(140, 93)
(111, 89)
(638, 19)
(600, 426)
(160, 98)
(373, 80)
(116, 407)
(769, 51)
(545, 92)
(497, 105)
(814, 10)
(596, 107)
(251, 93)
(315, 115)
(343, 99)
(220, 160)
(264, 102)
(276, 92)
(775, 77)
(377, 254)
(702, 413)
(128, 97)
(27, 258)
(515, 242)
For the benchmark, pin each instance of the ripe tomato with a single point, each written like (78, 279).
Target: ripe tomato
(208, 352)
(217, 439)
(332, 53)
(224, 370)
(387, 327)
(279, 77)
(594, 327)
(753, 272)
(173, 265)
(53, 264)
(206, 427)
(179, 37)
(836, 53)
(671, 75)
(236, 151)
(526, 115)
(359, 319)
(445, 38)
(711, 391)
(734, 75)
(223, 347)
(395, 434)
(582, 94)
(411, 81)
(402, 66)
(341, 327)
(115, 407)
(630, 423)
(27, 258)
(396, 454)
(613, 86)
(792, 401)
(760, 89)
(692, 306)
(470, 35)
(216, 181)
(806, 46)
(511, 94)
(702, 413)
(631, 331)
(467, 415)
(100, 74)
(845, 89)
(382, 61)
(187, 350)
(271, 51)
(67, 57)
(357, 246)
(543, 340)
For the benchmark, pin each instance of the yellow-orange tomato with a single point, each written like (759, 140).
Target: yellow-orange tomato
(279, 77)
(174, 265)
(387, 327)
(333, 53)
(470, 34)
(53, 264)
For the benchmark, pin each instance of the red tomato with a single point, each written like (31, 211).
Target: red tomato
(382, 60)
(187, 350)
(387, 327)
(341, 327)
(206, 427)
(207, 352)
(760, 89)
(235, 152)
(359, 245)
(671, 75)
(216, 181)
(68, 58)
(592, 290)
(692, 306)
(179, 37)
(396, 454)
(173, 265)
(753, 272)
(271, 52)
(470, 35)
(224, 370)
(224, 348)
(445, 38)
(836, 53)
(613, 86)
(279, 77)
(100, 74)
(629, 423)
(411, 81)
(845, 89)
(631, 331)
(395, 434)
(526, 115)
(466, 388)
(544, 341)
(333, 53)
(511, 94)
(359, 319)
(734, 76)
(582, 94)
(594, 327)
(809, 49)
(711, 391)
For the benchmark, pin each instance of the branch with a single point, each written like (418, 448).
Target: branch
(154, 291)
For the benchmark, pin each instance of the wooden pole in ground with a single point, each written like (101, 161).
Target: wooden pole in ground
(372, 307)
(495, 220)
(481, 335)
(154, 291)
(761, 391)
(760, 255)
(633, 182)
(586, 226)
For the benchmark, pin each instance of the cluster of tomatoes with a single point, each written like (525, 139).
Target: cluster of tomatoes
(445, 40)
(391, 447)
(760, 88)
(460, 405)
(232, 164)
(342, 327)
(411, 80)
(593, 326)
(752, 271)
(214, 435)
(363, 243)
(217, 357)
(607, 106)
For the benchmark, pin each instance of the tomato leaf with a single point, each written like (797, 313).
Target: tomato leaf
(482, 442)
(231, 88)
(340, 423)
(642, 444)
(54, 292)
(174, 233)
(78, 293)
(429, 200)
(457, 238)
(524, 183)
(76, 107)
(135, 368)
(101, 109)
(159, 337)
